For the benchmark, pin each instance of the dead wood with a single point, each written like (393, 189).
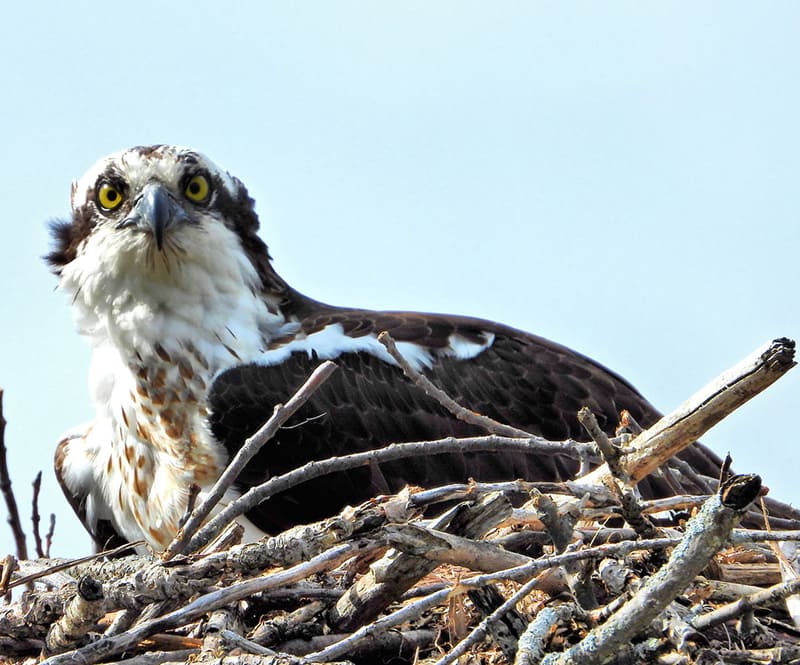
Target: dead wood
(8, 492)
(704, 409)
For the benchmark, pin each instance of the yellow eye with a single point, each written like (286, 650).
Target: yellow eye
(197, 189)
(108, 196)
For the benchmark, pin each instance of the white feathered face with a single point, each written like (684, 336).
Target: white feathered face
(149, 210)
(150, 200)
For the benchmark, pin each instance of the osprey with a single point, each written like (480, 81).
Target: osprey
(195, 338)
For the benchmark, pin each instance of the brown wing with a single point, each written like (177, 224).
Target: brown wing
(103, 533)
(520, 379)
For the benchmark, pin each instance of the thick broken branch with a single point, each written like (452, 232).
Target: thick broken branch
(445, 547)
(80, 616)
(703, 410)
(396, 572)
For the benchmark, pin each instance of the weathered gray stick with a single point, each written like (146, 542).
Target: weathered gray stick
(444, 547)
(532, 644)
(747, 604)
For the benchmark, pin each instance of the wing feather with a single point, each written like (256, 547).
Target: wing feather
(103, 533)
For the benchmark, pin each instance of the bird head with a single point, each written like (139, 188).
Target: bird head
(151, 213)
(151, 199)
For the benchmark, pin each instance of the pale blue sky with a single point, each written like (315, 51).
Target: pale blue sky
(619, 177)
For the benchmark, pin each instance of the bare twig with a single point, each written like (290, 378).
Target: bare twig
(251, 446)
(462, 413)
(519, 488)
(396, 643)
(395, 451)
(191, 503)
(37, 486)
(742, 536)
(681, 502)
(611, 454)
(244, 659)
(630, 507)
(8, 493)
(161, 658)
(48, 539)
(775, 656)
(235, 640)
(71, 563)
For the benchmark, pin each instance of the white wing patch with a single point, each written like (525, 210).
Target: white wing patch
(331, 342)
(463, 349)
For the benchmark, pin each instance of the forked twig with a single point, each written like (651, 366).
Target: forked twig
(71, 563)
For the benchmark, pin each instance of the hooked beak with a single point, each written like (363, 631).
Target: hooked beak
(154, 211)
